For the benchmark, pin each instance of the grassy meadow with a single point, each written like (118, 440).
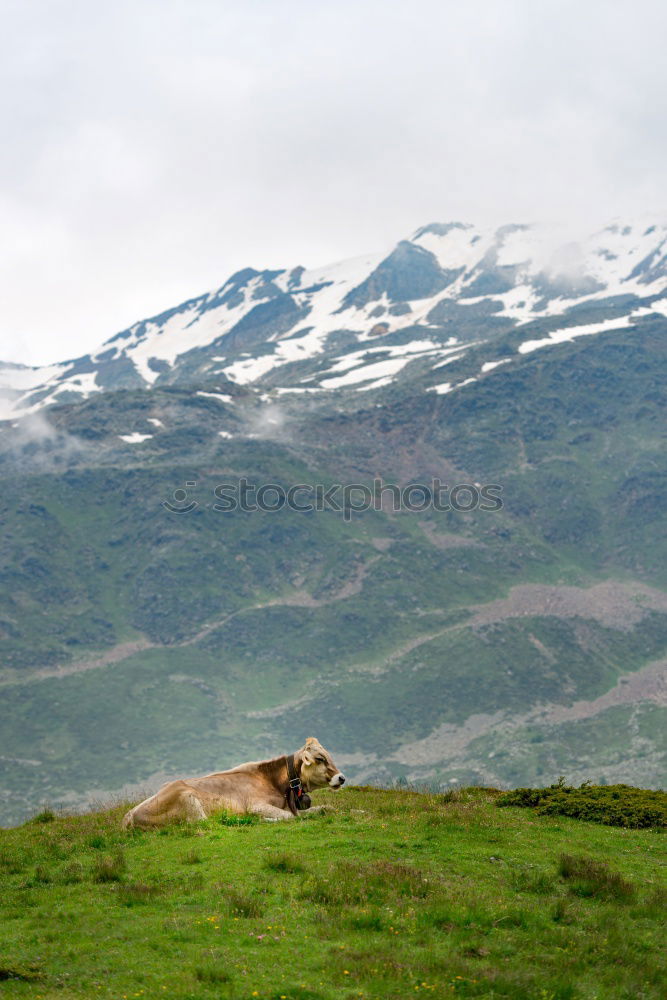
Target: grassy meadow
(385, 894)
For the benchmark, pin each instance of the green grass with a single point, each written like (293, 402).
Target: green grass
(389, 894)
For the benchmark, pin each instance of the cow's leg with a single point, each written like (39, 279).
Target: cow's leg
(176, 801)
(272, 813)
(129, 819)
(143, 817)
(192, 805)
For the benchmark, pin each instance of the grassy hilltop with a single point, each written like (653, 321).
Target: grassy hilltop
(389, 894)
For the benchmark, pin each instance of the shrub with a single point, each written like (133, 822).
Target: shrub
(284, 863)
(440, 916)
(42, 874)
(562, 913)
(453, 795)
(242, 905)
(332, 893)
(191, 857)
(613, 805)
(136, 892)
(72, 873)
(540, 883)
(589, 877)
(371, 921)
(110, 868)
(211, 973)
(26, 974)
(655, 904)
(45, 816)
(12, 862)
(403, 879)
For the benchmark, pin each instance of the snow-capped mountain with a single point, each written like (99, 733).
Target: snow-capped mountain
(421, 307)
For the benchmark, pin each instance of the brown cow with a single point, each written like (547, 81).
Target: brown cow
(261, 787)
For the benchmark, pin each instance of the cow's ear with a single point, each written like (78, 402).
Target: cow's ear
(307, 758)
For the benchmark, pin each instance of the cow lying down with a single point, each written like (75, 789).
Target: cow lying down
(275, 789)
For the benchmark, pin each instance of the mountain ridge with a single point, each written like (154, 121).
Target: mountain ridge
(275, 322)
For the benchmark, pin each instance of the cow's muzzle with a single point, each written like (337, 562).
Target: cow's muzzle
(337, 780)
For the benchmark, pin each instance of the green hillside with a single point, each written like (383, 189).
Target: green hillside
(387, 894)
(492, 647)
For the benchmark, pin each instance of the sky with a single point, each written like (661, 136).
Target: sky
(153, 147)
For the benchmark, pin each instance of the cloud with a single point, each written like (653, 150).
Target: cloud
(35, 445)
(269, 422)
(159, 145)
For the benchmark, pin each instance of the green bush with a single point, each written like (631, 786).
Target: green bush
(613, 805)
(45, 816)
(242, 904)
(110, 868)
(136, 892)
(284, 863)
(588, 877)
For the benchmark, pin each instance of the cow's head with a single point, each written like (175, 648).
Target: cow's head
(317, 768)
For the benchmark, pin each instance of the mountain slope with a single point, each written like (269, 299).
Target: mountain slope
(507, 645)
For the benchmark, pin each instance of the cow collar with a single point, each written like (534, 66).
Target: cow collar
(297, 797)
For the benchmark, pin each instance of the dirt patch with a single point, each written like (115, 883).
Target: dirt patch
(646, 685)
(614, 605)
(122, 651)
(449, 541)
(448, 739)
(382, 544)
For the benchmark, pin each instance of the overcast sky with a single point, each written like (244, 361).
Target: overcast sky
(152, 147)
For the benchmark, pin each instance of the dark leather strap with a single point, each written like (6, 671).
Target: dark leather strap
(297, 799)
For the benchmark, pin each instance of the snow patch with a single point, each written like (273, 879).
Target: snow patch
(375, 385)
(184, 331)
(488, 366)
(446, 387)
(215, 395)
(288, 389)
(251, 369)
(84, 384)
(381, 369)
(570, 332)
(659, 307)
(135, 437)
(448, 361)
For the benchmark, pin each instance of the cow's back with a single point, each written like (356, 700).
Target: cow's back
(237, 790)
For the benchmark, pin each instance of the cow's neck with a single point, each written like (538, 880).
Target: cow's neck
(276, 770)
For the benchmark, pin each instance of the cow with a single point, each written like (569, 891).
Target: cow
(274, 789)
